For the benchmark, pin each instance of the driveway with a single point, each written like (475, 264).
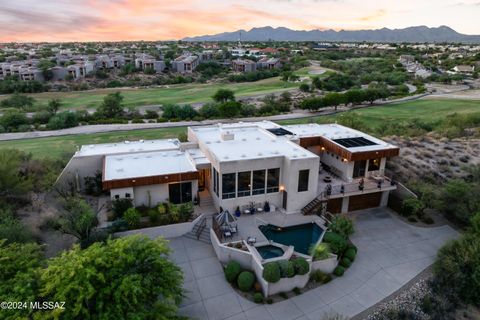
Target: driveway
(390, 253)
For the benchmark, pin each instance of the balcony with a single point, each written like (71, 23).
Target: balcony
(338, 187)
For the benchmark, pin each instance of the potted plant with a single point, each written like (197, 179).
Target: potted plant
(196, 201)
(266, 207)
(238, 212)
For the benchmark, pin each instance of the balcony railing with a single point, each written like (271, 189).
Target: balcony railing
(370, 184)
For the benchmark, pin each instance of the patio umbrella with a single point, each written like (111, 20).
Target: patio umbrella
(225, 218)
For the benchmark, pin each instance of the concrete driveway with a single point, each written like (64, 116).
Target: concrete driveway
(390, 253)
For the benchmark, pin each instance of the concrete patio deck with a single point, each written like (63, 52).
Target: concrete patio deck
(390, 254)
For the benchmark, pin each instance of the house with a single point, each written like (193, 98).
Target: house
(465, 69)
(145, 61)
(206, 55)
(296, 168)
(80, 70)
(186, 63)
(31, 73)
(243, 65)
(269, 63)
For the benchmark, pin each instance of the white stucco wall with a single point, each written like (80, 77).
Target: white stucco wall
(158, 193)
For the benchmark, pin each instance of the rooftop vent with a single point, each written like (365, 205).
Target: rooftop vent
(227, 135)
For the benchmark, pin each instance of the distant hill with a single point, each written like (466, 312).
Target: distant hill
(411, 34)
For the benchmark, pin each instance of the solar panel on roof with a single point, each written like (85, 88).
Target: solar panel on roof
(279, 131)
(354, 142)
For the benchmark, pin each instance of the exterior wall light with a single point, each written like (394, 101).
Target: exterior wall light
(282, 188)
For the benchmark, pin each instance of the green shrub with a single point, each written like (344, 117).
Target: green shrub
(337, 242)
(320, 251)
(153, 215)
(232, 270)
(339, 271)
(271, 272)
(301, 266)
(352, 246)
(258, 297)
(269, 300)
(245, 281)
(119, 206)
(350, 253)
(297, 290)
(132, 217)
(320, 277)
(286, 269)
(412, 206)
(284, 295)
(427, 220)
(412, 219)
(345, 262)
(342, 225)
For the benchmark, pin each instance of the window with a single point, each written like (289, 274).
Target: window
(180, 192)
(258, 182)
(273, 180)
(117, 196)
(244, 184)
(374, 164)
(228, 185)
(303, 180)
(215, 181)
(127, 195)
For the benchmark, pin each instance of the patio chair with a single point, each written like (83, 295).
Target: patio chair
(233, 229)
(227, 234)
(258, 207)
(251, 240)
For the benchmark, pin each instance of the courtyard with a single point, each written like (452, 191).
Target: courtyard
(390, 254)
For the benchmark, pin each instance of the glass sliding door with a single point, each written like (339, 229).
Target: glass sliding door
(244, 184)
(180, 192)
(258, 182)
(228, 185)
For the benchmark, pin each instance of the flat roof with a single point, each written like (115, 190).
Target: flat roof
(127, 147)
(148, 164)
(336, 132)
(244, 141)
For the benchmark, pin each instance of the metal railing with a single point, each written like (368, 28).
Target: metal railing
(351, 187)
(201, 227)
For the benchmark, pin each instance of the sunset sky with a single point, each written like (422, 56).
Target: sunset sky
(102, 20)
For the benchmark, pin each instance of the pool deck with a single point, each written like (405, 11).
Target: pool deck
(247, 225)
(390, 254)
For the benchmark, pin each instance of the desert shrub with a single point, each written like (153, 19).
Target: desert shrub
(350, 253)
(132, 217)
(345, 262)
(245, 281)
(297, 290)
(269, 300)
(342, 225)
(339, 271)
(232, 270)
(320, 251)
(258, 297)
(153, 215)
(271, 272)
(428, 220)
(301, 266)
(119, 206)
(412, 206)
(337, 242)
(284, 295)
(286, 269)
(320, 277)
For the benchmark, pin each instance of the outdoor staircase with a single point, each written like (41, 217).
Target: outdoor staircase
(201, 230)
(206, 201)
(311, 207)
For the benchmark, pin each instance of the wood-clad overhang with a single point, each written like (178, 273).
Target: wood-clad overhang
(150, 180)
(345, 153)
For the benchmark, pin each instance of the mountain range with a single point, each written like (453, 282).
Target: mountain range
(417, 34)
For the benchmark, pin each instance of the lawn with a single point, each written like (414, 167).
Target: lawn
(181, 93)
(426, 110)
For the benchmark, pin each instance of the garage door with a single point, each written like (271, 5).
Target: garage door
(334, 205)
(364, 201)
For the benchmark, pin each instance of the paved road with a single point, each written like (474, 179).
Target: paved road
(390, 254)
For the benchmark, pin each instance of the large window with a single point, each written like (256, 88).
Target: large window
(244, 184)
(303, 180)
(273, 180)
(258, 182)
(180, 192)
(228, 185)
(374, 164)
(215, 181)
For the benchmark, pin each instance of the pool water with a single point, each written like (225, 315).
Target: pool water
(269, 251)
(301, 237)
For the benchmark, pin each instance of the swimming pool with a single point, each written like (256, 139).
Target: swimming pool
(301, 237)
(270, 251)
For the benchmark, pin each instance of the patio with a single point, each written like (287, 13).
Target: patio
(247, 224)
(391, 253)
